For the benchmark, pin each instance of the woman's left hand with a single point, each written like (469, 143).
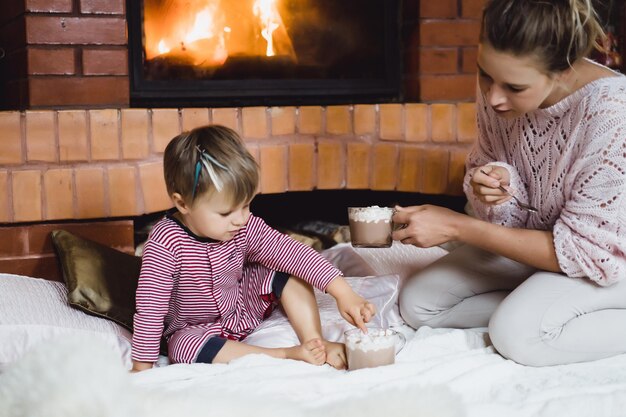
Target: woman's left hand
(427, 225)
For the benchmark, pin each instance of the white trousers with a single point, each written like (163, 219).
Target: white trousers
(535, 317)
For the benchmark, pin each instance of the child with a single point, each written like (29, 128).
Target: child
(211, 271)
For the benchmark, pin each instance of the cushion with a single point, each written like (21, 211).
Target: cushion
(100, 280)
(345, 257)
(33, 311)
(382, 291)
(401, 259)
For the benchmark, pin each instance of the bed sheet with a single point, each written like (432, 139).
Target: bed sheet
(482, 382)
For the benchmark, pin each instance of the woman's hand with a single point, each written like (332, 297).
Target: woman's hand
(352, 307)
(485, 183)
(427, 225)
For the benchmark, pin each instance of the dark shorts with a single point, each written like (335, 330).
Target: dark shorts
(214, 344)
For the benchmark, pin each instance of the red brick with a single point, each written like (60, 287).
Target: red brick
(73, 135)
(472, 9)
(51, 61)
(468, 59)
(14, 241)
(48, 6)
(45, 266)
(11, 142)
(301, 166)
(358, 169)
(330, 165)
(105, 61)
(449, 33)
(117, 234)
(5, 207)
(435, 171)
(410, 167)
(27, 196)
(438, 9)
(456, 171)
(438, 60)
(385, 166)
(102, 6)
(74, 30)
(447, 88)
(79, 91)
(41, 136)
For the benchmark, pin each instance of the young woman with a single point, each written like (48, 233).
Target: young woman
(211, 271)
(551, 282)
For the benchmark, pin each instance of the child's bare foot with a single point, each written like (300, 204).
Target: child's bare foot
(313, 352)
(336, 355)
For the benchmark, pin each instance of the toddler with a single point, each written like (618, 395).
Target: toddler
(211, 271)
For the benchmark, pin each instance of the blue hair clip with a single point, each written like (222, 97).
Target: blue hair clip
(196, 178)
(208, 161)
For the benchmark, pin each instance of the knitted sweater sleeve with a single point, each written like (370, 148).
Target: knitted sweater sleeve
(489, 150)
(590, 233)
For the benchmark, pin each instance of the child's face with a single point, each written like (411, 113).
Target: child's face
(213, 216)
(513, 85)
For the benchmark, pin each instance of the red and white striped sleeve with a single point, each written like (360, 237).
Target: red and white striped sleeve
(279, 252)
(154, 291)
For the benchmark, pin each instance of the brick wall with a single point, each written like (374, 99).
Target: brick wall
(73, 53)
(64, 53)
(97, 163)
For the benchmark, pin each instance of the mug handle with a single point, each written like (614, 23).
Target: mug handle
(402, 342)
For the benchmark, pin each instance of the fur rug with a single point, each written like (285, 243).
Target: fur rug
(80, 378)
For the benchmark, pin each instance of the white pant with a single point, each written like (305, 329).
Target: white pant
(535, 317)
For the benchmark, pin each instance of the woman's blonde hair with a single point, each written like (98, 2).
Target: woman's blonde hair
(209, 159)
(556, 32)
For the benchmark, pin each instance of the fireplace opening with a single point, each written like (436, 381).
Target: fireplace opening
(264, 52)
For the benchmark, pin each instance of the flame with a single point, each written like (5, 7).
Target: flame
(270, 21)
(163, 48)
(207, 32)
(202, 27)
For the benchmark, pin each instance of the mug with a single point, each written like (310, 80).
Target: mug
(370, 227)
(377, 347)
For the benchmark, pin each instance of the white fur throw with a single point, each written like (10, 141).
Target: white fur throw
(85, 378)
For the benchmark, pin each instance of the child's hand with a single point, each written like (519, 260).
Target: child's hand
(352, 307)
(141, 366)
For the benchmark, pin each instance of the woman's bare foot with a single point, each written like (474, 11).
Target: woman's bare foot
(313, 352)
(336, 355)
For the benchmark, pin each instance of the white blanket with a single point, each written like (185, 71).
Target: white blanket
(463, 360)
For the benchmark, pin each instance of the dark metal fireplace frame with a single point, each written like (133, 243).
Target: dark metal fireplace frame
(235, 93)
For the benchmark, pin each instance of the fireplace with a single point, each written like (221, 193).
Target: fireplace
(263, 52)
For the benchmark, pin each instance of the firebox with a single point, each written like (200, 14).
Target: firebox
(263, 52)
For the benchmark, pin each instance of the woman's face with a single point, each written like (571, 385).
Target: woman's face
(513, 85)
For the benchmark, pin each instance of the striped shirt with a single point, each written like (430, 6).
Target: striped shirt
(193, 288)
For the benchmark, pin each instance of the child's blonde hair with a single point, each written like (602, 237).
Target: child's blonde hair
(556, 32)
(210, 159)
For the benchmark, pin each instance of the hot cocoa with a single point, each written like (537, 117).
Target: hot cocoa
(375, 348)
(370, 227)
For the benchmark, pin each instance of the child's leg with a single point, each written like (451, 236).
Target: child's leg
(298, 301)
(312, 352)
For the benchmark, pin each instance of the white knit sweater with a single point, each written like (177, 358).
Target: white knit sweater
(569, 161)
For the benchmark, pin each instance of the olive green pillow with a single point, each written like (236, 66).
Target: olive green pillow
(100, 280)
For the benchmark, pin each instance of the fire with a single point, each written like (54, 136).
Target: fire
(207, 32)
(270, 18)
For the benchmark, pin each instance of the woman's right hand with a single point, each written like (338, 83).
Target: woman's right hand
(485, 183)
